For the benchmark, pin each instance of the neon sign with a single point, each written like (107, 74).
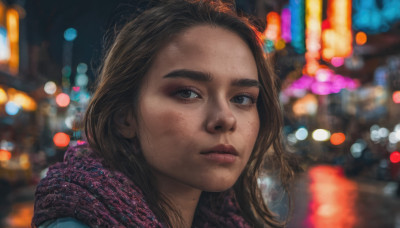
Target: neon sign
(337, 37)
(313, 36)
(296, 8)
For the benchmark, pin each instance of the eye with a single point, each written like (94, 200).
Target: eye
(187, 94)
(243, 100)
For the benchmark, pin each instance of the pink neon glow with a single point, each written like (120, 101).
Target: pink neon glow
(323, 75)
(325, 82)
(396, 97)
(337, 61)
(285, 23)
(321, 88)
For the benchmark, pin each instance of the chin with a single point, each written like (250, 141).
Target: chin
(218, 186)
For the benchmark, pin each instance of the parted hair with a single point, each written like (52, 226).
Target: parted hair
(121, 76)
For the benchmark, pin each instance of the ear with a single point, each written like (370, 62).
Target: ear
(125, 123)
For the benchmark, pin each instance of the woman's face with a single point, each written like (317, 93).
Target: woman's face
(198, 119)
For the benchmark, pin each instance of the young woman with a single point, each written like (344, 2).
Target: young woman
(184, 117)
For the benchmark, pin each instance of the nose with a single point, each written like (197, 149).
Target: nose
(220, 118)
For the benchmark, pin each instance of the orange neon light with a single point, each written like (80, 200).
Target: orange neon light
(2, 12)
(61, 139)
(338, 138)
(313, 35)
(337, 38)
(12, 21)
(273, 30)
(361, 38)
(5, 155)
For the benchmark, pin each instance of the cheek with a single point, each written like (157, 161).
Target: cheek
(163, 126)
(251, 128)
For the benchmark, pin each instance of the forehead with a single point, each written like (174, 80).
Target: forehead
(207, 48)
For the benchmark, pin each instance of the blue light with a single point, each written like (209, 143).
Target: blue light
(380, 76)
(368, 17)
(301, 133)
(390, 10)
(12, 108)
(82, 68)
(4, 48)
(268, 46)
(297, 25)
(70, 34)
(66, 71)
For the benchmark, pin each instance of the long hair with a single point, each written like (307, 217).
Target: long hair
(124, 67)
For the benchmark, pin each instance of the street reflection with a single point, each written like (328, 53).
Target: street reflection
(20, 216)
(333, 198)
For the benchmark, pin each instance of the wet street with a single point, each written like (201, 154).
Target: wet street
(323, 198)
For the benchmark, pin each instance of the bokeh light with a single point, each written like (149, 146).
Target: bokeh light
(395, 157)
(286, 24)
(337, 61)
(337, 138)
(70, 34)
(357, 148)
(50, 87)
(82, 68)
(81, 80)
(291, 139)
(12, 108)
(5, 155)
(396, 97)
(24, 161)
(61, 139)
(280, 44)
(383, 132)
(62, 100)
(321, 135)
(361, 38)
(24, 101)
(4, 47)
(392, 138)
(273, 30)
(307, 105)
(3, 96)
(301, 133)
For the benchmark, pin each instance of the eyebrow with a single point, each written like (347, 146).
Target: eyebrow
(246, 83)
(189, 74)
(206, 77)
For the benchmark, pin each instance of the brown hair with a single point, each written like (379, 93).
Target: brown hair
(121, 76)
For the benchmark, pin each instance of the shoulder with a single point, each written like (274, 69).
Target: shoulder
(63, 223)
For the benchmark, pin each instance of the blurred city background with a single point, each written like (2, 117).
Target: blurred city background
(339, 65)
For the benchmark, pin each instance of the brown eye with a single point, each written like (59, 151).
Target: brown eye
(243, 100)
(187, 94)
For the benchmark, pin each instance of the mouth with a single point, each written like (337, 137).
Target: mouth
(221, 149)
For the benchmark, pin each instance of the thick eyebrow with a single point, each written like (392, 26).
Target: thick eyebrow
(206, 77)
(189, 74)
(245, 82)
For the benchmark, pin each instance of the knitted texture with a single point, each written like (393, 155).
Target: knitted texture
(82, 188)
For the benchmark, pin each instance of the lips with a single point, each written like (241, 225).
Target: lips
(222, 149)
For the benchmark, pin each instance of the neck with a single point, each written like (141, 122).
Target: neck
(184, 199)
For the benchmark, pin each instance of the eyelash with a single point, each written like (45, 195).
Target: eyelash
(179, 93)
(251, 98)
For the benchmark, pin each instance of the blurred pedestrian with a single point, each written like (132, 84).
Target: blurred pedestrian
(184, 116)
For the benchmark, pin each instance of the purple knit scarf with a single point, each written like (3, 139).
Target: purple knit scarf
(82, 188)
